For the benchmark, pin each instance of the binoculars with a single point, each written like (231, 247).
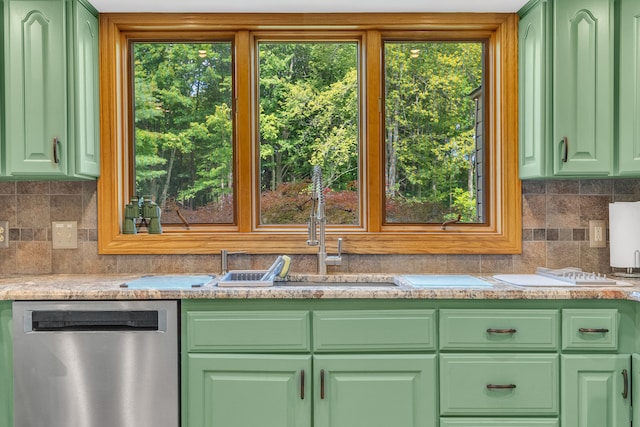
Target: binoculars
(139, 213)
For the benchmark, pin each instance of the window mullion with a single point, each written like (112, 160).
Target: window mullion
(244, 153)
(374, 122)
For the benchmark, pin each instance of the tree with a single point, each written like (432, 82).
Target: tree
(430, 127)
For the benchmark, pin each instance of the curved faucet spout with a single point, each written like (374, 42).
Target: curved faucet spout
(317, 224)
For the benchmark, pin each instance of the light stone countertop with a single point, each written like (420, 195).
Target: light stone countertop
(108, 287)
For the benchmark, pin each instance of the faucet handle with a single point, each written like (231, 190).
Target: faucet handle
(335, 259)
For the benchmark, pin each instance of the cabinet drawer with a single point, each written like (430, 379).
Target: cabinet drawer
(248, 331)
(498, 422)
(370, 330)
(498, 384)
(499, 330)
(590, 329)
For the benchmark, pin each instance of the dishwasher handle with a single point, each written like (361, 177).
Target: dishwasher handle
(94, 320)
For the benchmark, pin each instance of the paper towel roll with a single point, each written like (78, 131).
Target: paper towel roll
(624, 234)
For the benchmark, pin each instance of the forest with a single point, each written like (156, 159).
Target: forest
(309, 113)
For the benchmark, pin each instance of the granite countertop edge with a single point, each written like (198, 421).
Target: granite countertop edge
(108, 287)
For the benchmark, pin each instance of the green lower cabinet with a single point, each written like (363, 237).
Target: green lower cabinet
(6, 365)
(441, 364)
(247, 390)
(498, 384)
(635, 380)
(375, 391)
(593, 390)
(498, 422)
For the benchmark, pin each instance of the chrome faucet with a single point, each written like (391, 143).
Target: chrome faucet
(317, 225)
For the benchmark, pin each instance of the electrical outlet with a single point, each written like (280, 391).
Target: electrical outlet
(4, 234)
(597, 234)
(64, 234)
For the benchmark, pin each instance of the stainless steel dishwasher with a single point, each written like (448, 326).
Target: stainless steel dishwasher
(96, 364)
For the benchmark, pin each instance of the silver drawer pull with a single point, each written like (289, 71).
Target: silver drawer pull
(501, 386)
(593, 330)
(501, 331)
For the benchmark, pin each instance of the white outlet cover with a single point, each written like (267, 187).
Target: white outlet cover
(4, 234)
(597, 234)
(64, 234)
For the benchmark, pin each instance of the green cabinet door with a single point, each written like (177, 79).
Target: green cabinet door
(629, 137)
(6, 365)
(85, 122)
(36, 91)
(592, 388)
(375, 391)
(246, 390)
(635, 379)
(534, 69)
(583, 87)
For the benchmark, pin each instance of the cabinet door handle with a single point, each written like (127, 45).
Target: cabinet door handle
(501, 331)
(56, 150)
(321, 383)
(302, 384)
(501, 386)
(625, 381)
(593, 330)
(565, 149)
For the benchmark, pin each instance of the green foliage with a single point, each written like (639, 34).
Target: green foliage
(308, 116)
(430, 129)
(309, 105)
(184, 131)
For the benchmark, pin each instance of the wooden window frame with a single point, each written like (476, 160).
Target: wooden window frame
(500, 234)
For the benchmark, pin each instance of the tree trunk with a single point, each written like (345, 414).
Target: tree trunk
(165, 190)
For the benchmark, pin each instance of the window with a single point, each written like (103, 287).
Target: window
(309, 115)
(182, 129)
(432, 156)
(411, 116)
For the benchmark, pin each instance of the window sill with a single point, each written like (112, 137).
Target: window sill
(176, 242)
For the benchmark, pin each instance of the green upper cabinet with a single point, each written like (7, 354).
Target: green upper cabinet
(629, 144)
(567, 91)
(2, 135)
(84, 75)
(51, 80)
(534, 78)
(36, 88)
(583, 93)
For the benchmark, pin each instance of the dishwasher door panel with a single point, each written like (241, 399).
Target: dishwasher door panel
(96, 378)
